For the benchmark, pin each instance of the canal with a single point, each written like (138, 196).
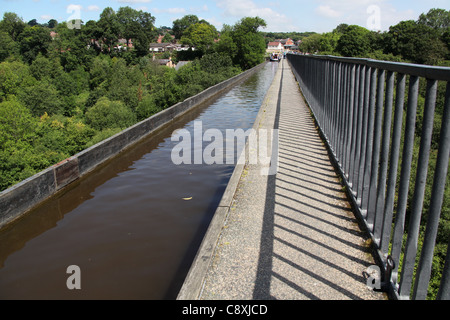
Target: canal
(133, 226)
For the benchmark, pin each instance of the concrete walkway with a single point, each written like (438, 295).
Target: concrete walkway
(291, 235)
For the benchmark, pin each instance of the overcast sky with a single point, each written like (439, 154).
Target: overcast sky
(283, 16)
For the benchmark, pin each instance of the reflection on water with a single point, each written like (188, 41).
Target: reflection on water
(126, 225)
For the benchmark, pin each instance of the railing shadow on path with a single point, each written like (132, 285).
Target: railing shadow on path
(303, 253)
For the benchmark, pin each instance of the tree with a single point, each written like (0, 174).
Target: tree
(34, 40)
(110, 114)
(33, 23)
(416, 42)
(147, 107)
(181, 25)
(8, 47)
(200, 35)
(446, 40)
(12, 24)
(340, 29)
(41, 98)
(16, 123)
(109, 28)
(354, 42)
(328, 42)
(14, 76)
(226, 44)
(138, 26)
(43, 67)
(311, 44)
(251, 46)
(52, 23)
(167, 38)
(438, 19)
(18, 131)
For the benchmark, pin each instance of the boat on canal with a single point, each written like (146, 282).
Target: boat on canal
(275, 57)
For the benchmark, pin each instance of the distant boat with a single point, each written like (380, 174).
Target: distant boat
(275, 57)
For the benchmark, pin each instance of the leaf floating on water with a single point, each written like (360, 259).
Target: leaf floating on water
(187, 198)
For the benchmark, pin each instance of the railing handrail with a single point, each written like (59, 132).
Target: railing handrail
(363, 108)
(425, 71)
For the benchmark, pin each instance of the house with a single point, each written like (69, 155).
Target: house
(126, 43)
(180, 64)
(164, 62)
(166, 46)
(281, 45)
(158, 47)
(54, 35)
(287, 43)
(274, 46)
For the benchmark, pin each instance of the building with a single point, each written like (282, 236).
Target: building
(281, 45)
(163, 47)
(274, 46)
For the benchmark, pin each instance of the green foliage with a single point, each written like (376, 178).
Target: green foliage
(425, 41)
(438, 19)
(110, 114)
(354, 42)
(250, 44)
(147, 107)
(8, 47)
(226, 45)
(312, 44)
(102, 135)
(108, 28)
(181, 25)
(12, 24)
(14, 76)
(416, 42)
(200, 35)
(137, 25)
(33, 41)
(40, 98)
(44, 68)
(16, 123)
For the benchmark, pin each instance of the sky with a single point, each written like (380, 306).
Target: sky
(280, 15)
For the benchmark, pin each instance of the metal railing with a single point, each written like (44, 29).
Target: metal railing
(370, 123)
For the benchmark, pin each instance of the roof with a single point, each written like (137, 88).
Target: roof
(180, 64)
(274, 44)
(159, 45)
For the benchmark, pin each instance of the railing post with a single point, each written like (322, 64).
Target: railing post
(349, 119)
(437, 196)
(362, 160)
(395, 151)
(419, 190)
(354, 141)
(369, 143)
(358, 137)
(376, 150)
(381, 191)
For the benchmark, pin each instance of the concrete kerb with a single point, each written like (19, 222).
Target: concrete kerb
(29, 193)
(194, 281)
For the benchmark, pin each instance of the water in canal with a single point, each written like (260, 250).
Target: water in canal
(128, 225)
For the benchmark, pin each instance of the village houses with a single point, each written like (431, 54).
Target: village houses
(282, 45)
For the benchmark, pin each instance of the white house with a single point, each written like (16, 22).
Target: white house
(274, 46)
